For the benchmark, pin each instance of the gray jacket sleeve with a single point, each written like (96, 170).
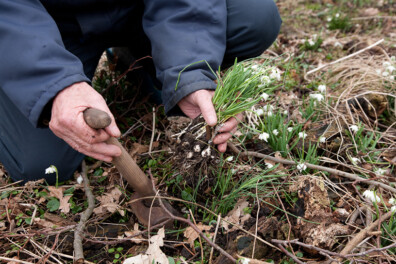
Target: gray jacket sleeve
(183, 32)
(34, 65)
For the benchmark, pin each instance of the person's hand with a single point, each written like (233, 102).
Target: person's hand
(200, 102)
(67, 122)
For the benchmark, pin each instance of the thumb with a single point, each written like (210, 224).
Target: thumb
(112, 129)
(205, 104)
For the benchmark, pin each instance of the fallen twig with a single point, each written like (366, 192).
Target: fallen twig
(196, 229)
(362, 234)
(343, 58)
(214, 237)
(77, 244)
(311, 166)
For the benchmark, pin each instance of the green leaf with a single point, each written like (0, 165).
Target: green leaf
(53, 204)
(117, 256)
(98, 172)
(69, 191)
(171, 260)
(111, 250)
(186, 196)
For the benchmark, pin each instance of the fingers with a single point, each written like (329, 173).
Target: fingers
(67, 122)
(204, 101)
(228, 129)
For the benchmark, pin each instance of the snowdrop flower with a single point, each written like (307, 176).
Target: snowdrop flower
(393, 208)
(302, 135)
(311, 42)
(392, 201)
(322, 139)
(390, 68)
(245, 261)
(80, 179)
(275, 132)
(386, 64)
(354, 128)
(392, 78)
(254, 67)
(230, 158)
(268, 108)
(275, 74)
(259, 112)
(329, 19)
(265, 80)
(50, 169)
(378, 71)
(264, 136)
(269, 165)
(322, 88)
(380, 171)
(290, 129)
(285, 112)
(317, 97)
(264, 96)
(338, 45)
(371, 196)
(355, 160)
(269, 113)
(301, 167)
(385, 74)
(337, 15)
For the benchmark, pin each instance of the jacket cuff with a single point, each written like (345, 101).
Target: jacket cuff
(40, 113)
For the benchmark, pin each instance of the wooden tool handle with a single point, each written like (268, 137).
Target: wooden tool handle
(128, 168)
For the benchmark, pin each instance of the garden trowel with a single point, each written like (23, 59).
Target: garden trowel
(146, 211)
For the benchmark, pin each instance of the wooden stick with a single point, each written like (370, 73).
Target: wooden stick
(312, 166)
(77, 243)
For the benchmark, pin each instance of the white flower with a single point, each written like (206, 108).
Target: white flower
(393, 208)
(264, 136)
(290, 129)
(50, 169)
(322, 88)
(80, 179)
(259, 112)
(390, 68)
(380, 171)
(354, 128)
(322, 139)
(269, 113)
(337, 15)
(264, 96)
(386, 64)
(392, 201)
(275, 74)
(275, 132)
(245, 261)
(378, 71)
(371, 196)
(318, 97)
(230, 158)
(329, 19)
(285, 112)
(338, 44)
(265, 79)
(355, 160)
(385, 74)
(301, 167)
(269, 165)
(302, 135)
(392, 78)
(311, 42)
(254, 67)
(268, 108)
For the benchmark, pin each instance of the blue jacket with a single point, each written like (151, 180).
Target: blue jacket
(35, 66)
